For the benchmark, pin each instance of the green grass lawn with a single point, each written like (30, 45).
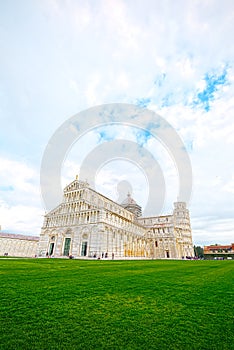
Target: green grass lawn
(75, 304)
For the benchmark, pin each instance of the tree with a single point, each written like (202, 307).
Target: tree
(198, 251)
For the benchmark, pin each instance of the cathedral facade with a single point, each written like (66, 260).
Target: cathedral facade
(89, 225)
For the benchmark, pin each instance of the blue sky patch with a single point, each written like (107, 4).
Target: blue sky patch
(213, 83)
(189, 146)
(167, 100)
(6, 188)
(143, 102)
(153, 125)
(159, 81)
(105, 136)
(142, 137)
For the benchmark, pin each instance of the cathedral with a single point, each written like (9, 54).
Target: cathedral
(89, 225)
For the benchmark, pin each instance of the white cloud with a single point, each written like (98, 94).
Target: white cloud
(21, 219)
(229, 186)
(216, 230)
(19, 182)
(20, 206)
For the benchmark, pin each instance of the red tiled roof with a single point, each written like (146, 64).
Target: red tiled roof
(216, 247)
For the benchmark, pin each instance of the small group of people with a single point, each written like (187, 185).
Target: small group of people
(48, 255)
(191, 257)
(104, 255)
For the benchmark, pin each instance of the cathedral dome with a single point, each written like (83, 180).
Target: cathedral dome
(128, 200)
(130, 204)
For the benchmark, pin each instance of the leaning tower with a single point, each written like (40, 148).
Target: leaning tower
(182, 230)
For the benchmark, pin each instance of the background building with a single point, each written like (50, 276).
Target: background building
(219, 251)
(18, 245)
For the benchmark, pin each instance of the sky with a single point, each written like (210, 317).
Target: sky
(175, 58)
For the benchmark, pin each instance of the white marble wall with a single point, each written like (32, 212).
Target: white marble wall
(18, 246)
